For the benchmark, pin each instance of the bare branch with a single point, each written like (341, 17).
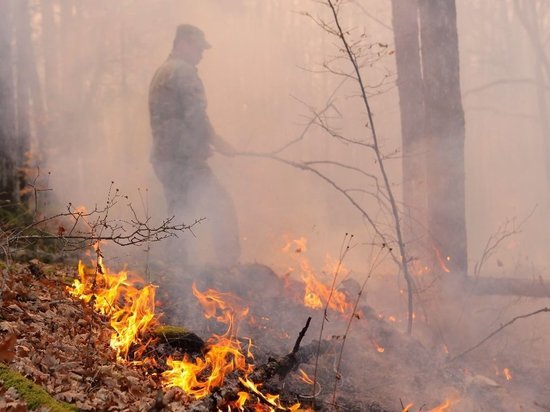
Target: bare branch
(497, 331)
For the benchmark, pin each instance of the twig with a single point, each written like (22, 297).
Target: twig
(343, 254)
(497, 331)
(376, 147)
(353, 315)
(301, 336)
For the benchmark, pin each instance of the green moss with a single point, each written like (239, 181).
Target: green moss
(32, 393)
(179, 337)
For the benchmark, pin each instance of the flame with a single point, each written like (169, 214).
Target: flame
(317, 293)
(305, 377)
(441, 261)
(418, 268)
(444, 407)
(223, 307)
(271, 400)
(408, 407)
(131, 310)
(199, 377)
(300, 245)
(243, 398)
(507, 374)
(379, 349)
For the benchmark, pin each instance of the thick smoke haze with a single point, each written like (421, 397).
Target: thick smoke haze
(263, 79)
(269, 78)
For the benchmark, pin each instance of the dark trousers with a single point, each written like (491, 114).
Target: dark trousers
(193, 192)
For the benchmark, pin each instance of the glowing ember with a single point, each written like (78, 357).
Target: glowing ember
(379, 349)
(507, 374)
(131, 310)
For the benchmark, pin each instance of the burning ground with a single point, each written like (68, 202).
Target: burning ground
(98, 340)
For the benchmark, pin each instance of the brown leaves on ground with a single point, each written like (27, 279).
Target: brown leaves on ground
(7, 352)
(63, 345)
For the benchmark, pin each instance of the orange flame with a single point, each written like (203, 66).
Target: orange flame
(300, 245)
(305, 377)
(408, 407)
(444, 407)
(223, 307)
(507, 374)
(441, 261)
(200, 376)
(317, 293)
(197, 378)
(379, 349)
(271, 400)
(131, 310)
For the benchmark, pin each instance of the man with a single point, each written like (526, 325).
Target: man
(183, 139)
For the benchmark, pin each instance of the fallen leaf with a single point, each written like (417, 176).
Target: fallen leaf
(7, 352)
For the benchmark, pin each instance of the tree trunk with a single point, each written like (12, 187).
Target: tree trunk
(50, 48)
(411, 105)
(9, 190)
(444, 129)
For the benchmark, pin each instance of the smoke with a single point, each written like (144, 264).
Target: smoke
(265, 80)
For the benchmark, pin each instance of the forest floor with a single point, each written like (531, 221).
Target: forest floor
(62, 345)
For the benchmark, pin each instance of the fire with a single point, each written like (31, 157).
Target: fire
(507, 374)
(444, 407)
(408, 407)
(316, 293)
(271, 400)
(379, 349)
(199, 377)
(223, 307)
(300, 245)
(442, 262)
(305, 377)
(131, 309)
